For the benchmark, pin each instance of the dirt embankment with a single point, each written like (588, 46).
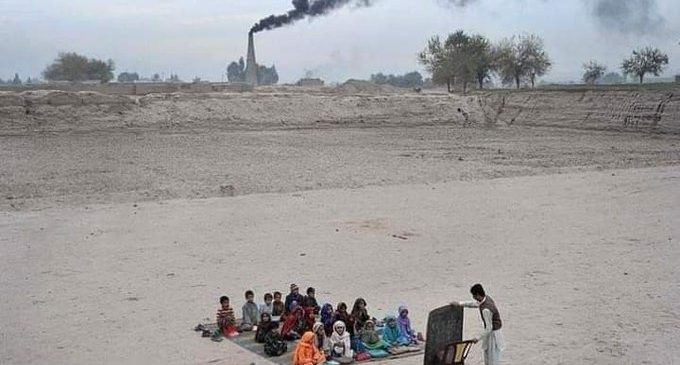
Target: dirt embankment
(54, 111)
(645, 110)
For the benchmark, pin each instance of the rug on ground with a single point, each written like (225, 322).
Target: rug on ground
(247, 341)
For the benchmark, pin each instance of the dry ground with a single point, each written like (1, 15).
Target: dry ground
(115, 241)
(108, 166)
(584, 266)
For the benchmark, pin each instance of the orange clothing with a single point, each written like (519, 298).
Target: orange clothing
(306, 352)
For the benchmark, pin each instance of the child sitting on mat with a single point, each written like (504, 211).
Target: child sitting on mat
(310, 300)
(265, 327)
(370, 338)
(391, 334)
(359, 315)
(277, 306)
(226, 321)
(340, 342)
(250, 313)
(405, 326)
(307, 353)
(268, 306)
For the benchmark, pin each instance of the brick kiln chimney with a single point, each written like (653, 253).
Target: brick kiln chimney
(251, 64)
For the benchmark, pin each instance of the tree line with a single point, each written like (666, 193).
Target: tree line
(643, 61)
(236, 72)
(464, 58)
(408, 80)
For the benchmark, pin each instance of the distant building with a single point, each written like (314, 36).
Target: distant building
(310, 82)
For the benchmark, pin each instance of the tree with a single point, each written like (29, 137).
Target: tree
(267, 75)
(409, 80)
(74, 67)
(593, 71)
(16, 80)
(174, 78)
(481, 58)
(643, 61)
(521, 58)
(128, 77)
(538, 62)
(379, 78)
(236, 71)
(460, 58)
(156, 78)
(446, 60)
(437, 63)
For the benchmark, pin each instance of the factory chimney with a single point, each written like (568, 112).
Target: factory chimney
(251, 64)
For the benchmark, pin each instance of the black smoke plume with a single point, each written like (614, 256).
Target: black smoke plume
(628, 16)
(304, 9)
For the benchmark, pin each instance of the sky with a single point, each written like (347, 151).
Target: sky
(198, 38)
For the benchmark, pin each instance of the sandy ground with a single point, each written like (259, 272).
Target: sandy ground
(584, 266)
(73, 169)
(122, 221)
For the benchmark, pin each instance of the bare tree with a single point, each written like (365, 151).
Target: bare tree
(643, 61)
(592, 72)
(538, 62)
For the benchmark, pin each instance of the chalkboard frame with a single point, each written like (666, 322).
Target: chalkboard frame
(450, 316)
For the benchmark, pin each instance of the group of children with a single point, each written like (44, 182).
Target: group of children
(324, 333)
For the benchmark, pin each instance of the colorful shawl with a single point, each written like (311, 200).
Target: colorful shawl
(327, 318)
(306, 352)
(405, 324)
(295, 321)
(391, 334)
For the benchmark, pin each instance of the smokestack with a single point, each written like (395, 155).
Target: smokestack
(251, 64)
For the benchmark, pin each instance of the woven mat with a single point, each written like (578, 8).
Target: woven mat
(247, 341)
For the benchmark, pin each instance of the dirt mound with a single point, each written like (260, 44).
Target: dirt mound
(365, 87)
(8, 98)
(56, 98)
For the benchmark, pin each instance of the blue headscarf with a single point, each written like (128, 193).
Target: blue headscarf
(391, 335)
(327, 317)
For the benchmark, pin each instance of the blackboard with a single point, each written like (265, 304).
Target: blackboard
(444, 326)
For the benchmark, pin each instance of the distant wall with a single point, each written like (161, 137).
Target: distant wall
(135, 88)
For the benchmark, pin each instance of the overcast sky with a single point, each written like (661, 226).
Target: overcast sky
(200, 37)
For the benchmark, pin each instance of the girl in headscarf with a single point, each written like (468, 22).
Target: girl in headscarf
(342, 315)
(295, 322)
(340, 341)
(306, 352)
(266, 325)
(391, 334)
(322, 341)
(405, 325)
(370, 337)
(359, 315)
(327, 318)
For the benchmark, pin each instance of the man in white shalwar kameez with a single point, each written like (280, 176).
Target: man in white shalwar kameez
(492, 336)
